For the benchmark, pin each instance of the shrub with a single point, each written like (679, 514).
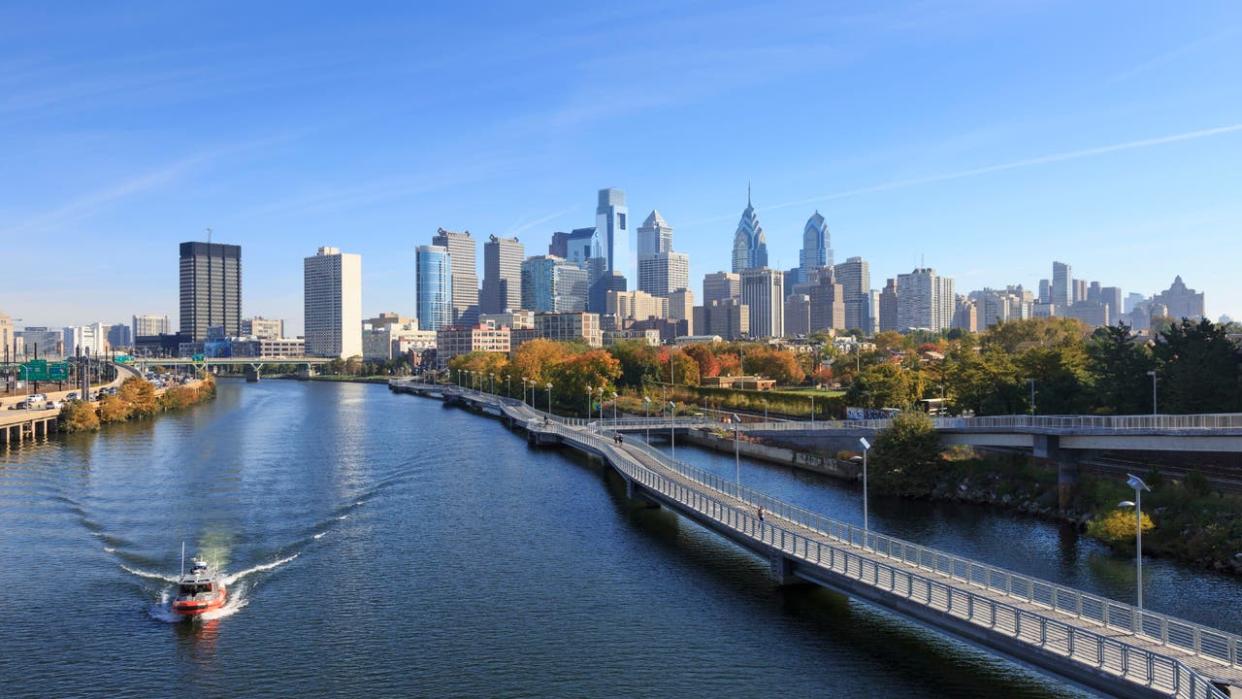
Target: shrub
(1117, 527)
(113, 409)
(79, 416)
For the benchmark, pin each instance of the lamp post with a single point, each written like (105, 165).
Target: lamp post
(1032, 383)
(812, 411)
(866, 448)
(601, 405)
(549, 387)
(1152, 374)
(647, 416)
(588, 403)
(614, 406)
(737, 453)
(1139, 486)
(528, 380)
(492, 377)
(672, 427)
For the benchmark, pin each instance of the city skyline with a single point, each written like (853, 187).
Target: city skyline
(1122, 163)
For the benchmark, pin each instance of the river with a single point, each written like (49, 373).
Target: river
(384, 545)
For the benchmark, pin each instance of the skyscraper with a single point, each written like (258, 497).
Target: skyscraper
(763, 290)
(889, 306)
(434, 281)
(663, 273)
(502, 275)
(816, 247)
(150, 324)
(925, 300)
(577, 246)
(465, 275)
(654, 236)
(1181, 301)
(210, 289)
(854, 276)
(1111, 297)
(721, 286)
(1062, 284)
(612, 231)
(551, 285)
(332, 303)
(750, 247)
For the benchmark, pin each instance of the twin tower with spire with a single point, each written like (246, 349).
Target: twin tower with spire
(750, 247)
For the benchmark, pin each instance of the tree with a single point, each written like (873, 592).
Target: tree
(1118, 363)
(536, 359)
(677, 367)
(571, 377)
(639, 362)
(113, 409)
(1117, 527)
(907, 452)
(139, 397)
(889, 341)
(1198, 369)
(780, 365)
(886, 385)
(1061, 379)
(729, 363)
(79, 416)
(709, 365)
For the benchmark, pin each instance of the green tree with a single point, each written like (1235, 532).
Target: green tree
(887, 385)
(571, 377)
(640, 362)
(1118, 363)
(1198, 369)
(907, 452)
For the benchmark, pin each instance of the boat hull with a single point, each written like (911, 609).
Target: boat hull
(191, 608)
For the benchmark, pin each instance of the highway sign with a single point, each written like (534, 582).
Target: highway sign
(58, 371)
(34, 370)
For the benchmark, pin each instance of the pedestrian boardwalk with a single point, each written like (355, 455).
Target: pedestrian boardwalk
(1105, 644)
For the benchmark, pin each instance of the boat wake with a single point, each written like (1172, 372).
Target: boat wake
(150, 575)
(230, 579)
(161, 609)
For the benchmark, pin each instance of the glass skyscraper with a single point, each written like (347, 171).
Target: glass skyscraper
(434, 282)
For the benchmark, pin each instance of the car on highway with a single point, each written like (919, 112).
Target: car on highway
(72, 395)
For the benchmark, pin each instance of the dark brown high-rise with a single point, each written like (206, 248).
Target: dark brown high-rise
(210, 289)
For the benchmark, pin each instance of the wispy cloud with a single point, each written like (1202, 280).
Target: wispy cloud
(1001, 167)
(523, 227)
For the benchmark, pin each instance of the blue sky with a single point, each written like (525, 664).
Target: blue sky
(987, 138)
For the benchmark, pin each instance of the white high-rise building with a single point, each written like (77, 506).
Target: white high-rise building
(332, 303)
(925, 300)
(465, 277)
(1062, 289)
(750, 246)
(763, 291)
(663, 273)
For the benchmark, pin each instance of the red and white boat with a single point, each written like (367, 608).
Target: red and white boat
(199, 591)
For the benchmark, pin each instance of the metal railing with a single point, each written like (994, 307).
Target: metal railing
(864, 556)
(1076, 643)
(1050, 424)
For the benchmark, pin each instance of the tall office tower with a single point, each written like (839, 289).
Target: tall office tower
(1080, 290)
(797, 315)
(599, 284)
(925, 300)
(889, 298)
(854, 276)
(552, 285)
(1062, 290)
(1093, 292)
(1181, 302)
(577, 246)
(1045, 291)
(721, 286)
(662, 273)
(873, 312)
(1132, 301)
(763, 290)
(654, 236)
(1111, 296)
(263, 328)
(750, 247)
(502, 275)
(992, 307)
(210, 289)
(433, 272)
(681, 307)
(465, 275)
(828, 308)
(613, 232)
(120, 337)
(816, 247)
(332, 303)
(150, 324)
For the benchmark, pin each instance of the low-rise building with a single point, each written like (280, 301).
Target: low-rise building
(648, 337)
(455, 340)
(744, 383)
(514, 320)
(571, 326)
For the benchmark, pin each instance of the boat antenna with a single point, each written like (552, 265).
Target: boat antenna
(183, 558)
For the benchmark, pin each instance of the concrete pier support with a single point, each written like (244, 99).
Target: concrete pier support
(1048, 447)
(782, 569)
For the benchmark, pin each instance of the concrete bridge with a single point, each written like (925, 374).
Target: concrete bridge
(253, 365)
(1102, 644)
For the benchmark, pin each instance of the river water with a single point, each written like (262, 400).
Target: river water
(384, 545)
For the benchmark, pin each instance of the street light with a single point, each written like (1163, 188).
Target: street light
(672, 427)
(866, 448)
(812, 411)
(1139, 486)
(492, 376)
(525, 380)
(614, 406)
(737, 453)
(601, 405)
(549, 387)
(647, 416)
(589, 392)
(1152, 374)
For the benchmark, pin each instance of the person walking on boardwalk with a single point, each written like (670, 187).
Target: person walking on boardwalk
(760, 514)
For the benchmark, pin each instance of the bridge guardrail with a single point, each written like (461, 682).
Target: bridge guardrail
(1079, 644)
(1042, 423)
(1187, 636)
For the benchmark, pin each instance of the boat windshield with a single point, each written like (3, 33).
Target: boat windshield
(193, 589)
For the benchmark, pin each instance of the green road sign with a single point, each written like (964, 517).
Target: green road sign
(34, 370)
(58, 371)
(198, 357)
(123, 359)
